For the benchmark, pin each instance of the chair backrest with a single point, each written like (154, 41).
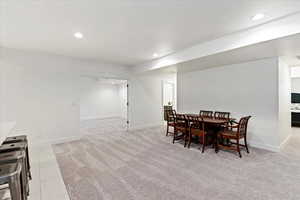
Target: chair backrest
(195, 122)
(181, 120)
(180, 117)
(243, 124)
(206, 113)
(222, 115)
(171, 115)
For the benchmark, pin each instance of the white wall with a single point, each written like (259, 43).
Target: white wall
(145, 103)
(2, 118)
(296, 85)
(242, 89)
(284, 88)
(99, 100)
(41, 92)
(123, 100)
(5, 126)
(295, 72)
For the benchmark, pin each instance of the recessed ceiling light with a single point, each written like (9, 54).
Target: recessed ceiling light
(155, 55)
(78, 35)
(258, 16)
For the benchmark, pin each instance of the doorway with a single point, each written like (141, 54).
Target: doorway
(103, 105)
(168, 96)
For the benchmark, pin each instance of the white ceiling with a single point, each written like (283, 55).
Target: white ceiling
(128, 32)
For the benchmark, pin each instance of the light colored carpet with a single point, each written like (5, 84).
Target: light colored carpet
(145, 165)
(98, 126)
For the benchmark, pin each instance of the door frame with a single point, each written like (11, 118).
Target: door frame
(163, 82)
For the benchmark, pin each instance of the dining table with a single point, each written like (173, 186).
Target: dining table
(216, 122)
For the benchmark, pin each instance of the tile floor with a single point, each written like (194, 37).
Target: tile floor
(47, 182)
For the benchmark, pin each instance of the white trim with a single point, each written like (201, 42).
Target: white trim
(265, 146)
(284, 143)
(99, 117)
(159, 124)
(66, 139)
(57, 141)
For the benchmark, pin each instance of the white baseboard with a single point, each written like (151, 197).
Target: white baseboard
(143, 126)
(57, 141)
(99, 117)
(66, 139)
(265, 146)
(251, 144)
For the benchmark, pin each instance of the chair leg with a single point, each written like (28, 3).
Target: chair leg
(174, 135)
(246, 144)
(185, 139)
(190, 140)
(204, 143)
(238, 147)
(216, 144)
(167, 130)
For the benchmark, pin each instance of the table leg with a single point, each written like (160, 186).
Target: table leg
(216, 142)
(216, 131)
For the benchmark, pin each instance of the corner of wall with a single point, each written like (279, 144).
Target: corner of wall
(284, 99)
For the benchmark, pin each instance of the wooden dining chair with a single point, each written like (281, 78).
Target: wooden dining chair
(181, 126)
(236, 132)
(197, 128)
(206, 114)
(170, 121)
(222, 115)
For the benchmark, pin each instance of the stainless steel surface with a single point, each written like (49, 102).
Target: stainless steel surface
(11, 174)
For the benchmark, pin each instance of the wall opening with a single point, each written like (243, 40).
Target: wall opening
(168, 95)
(103, 105)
